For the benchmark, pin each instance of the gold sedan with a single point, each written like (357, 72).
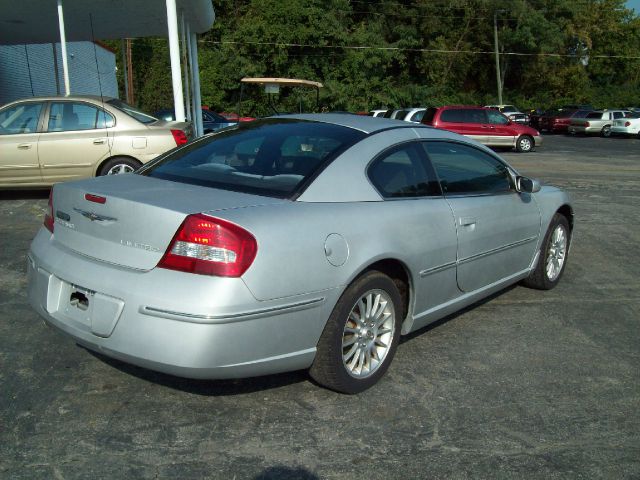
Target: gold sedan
(46, 140)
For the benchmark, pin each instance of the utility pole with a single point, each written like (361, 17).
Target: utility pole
(495, 38)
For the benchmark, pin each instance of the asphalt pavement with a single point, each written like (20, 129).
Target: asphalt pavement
(527, 384)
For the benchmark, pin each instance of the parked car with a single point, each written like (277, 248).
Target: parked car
(411, 114)
(377, 113)
(392, 113)
(596, 122)
(199, 283)
(234, 117)
(630, 125)
(558, 120)
(45, 140)
(211, 121)
(534, 117)
(511, 112)
(485, 125)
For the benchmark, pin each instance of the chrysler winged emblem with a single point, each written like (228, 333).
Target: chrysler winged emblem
(94, 217)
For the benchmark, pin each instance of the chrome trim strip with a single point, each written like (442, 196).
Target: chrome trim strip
(440, 268)
(66, 165)
(232, 317)
(496, 250)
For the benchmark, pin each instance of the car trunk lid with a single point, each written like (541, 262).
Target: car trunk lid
(129, 220)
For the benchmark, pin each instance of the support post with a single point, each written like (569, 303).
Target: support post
(495, 38)
(174, 54)
(192, 105)
(185, 65)
(125, 69)
(63, 46)
(197, 100)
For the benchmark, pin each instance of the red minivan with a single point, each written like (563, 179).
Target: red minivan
(485, 125)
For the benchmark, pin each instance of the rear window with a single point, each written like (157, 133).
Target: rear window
(132, 111)
(272, 157)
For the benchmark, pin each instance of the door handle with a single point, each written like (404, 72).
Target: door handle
(467, 221)
(99, 141)
(25, 146)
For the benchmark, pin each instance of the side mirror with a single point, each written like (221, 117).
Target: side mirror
(527, 185)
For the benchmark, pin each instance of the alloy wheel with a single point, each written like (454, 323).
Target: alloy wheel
(368, 334)
(556, 253)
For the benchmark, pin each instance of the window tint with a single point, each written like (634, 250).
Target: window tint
(267, 157)
(401, 172)
(618, 115)
(454, 115)
(428, 115)
(132, 111)
(596, 115)
(466, 170)
(496, 118)
(417, 117)
(69, 116)
(22, 118)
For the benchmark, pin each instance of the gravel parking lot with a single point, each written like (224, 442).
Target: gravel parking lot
(527, 384)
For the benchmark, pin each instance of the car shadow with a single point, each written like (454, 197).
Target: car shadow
(453, 316)
(286, 473)
(207, 388)
(24, 194)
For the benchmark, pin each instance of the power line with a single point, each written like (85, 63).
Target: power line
(417, 50)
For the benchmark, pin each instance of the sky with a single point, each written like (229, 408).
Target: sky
(635, 4)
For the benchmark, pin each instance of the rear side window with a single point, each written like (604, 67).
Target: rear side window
(463, 169)
(402, 172)
(272, 157)
(22, 118)
(618, 115)
(428, 115)
(594, 115)
(455, 115)
(417, 117)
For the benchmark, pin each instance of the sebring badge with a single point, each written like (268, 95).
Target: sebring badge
(94, 217)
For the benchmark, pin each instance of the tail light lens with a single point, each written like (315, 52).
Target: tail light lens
(48, 217)
(587, 124)
(627, 124)
(179, 136)
(210, 246)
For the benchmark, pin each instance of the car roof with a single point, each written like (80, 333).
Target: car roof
(362, 123)
(95, 98)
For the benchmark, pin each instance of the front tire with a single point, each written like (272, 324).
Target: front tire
(553, 255)
(118, 165)
(606, 131)
(525, 144)
(361, 335)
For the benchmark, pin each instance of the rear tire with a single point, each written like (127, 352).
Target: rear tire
(525, 144)
(606, 131)
(361, 335)
(118, 165)
(553, 255)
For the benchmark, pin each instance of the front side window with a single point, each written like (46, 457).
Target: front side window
(401, 172)
(70, 116)
(496, 118)
(270, 157)
(463, 169)
(22, 118)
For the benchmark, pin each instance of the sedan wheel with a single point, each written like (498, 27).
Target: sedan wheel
(119, 165)
(606, 131)
(553, 255)
(361, 335)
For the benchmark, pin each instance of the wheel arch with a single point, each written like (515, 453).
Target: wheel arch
(567, 212)
(401, 276)
(111, 157)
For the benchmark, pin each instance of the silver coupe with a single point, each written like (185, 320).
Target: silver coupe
(293, 242)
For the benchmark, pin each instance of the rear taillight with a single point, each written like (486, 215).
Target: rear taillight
(210, 246)
(627, 124)
(48, 217)
(587, 124)
(179, 136)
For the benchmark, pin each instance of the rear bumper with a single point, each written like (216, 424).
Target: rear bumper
(625, 130)
(183, 324)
